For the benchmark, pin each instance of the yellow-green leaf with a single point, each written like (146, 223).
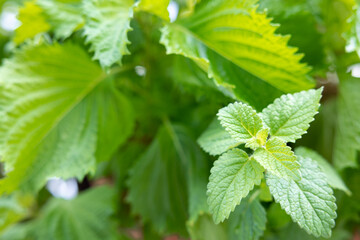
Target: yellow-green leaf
(278, 159)
(158, 7)
(236, 33)
(33, 22)
(54, 102)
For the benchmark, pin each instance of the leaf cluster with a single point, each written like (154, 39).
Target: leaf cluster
(116, 92)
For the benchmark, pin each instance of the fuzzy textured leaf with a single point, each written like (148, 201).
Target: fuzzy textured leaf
(248, 221)
(234, 174)
(332, 176)
(216, 140)
(278, 159)
(241, 121)
(309, 202)
(54, 103)
(289, 116)
(106, 27)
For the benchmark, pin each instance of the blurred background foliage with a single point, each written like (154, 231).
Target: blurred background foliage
(175, 102)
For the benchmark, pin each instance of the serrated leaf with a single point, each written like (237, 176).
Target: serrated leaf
(216, 140)
(106, 27)
(309, 202)
(289, 116)
(347, 134)
(158, 7)
(332, 176)
(248, 221)
(288, 14)
(33, 22)
(241, 121)
(54, 103)
(278, 159)
(64, 16)
(164, 183)
(236, 32)
(240, 84)
(87, 217)
(234, 174)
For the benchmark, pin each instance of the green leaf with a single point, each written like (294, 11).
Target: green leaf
(59, 112)
(332, 176)
(293, 231)
(259, 139)
(158, 7)
(14, 208)
(288, 14)
(235, 32)
(106, 27)
(289, 116)
(198, 175)
(234, 174)
(204, 228)
(347, 134)
(122, 162)
(241, 121)
(309, 202)
(163, 184)
(265, 195)
(86, 217)
(277, 217)
(65, 17)
(352, 35)
(216, 140)
(240, 84)
(194, 80)
(278, 159)
(115, 119)
(15, 232)
(248, 221)
(33, 22)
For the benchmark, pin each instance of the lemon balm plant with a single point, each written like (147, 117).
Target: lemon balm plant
(296, 182)
(196, 126)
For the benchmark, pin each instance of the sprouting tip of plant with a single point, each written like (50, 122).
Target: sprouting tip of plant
(236, 173)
